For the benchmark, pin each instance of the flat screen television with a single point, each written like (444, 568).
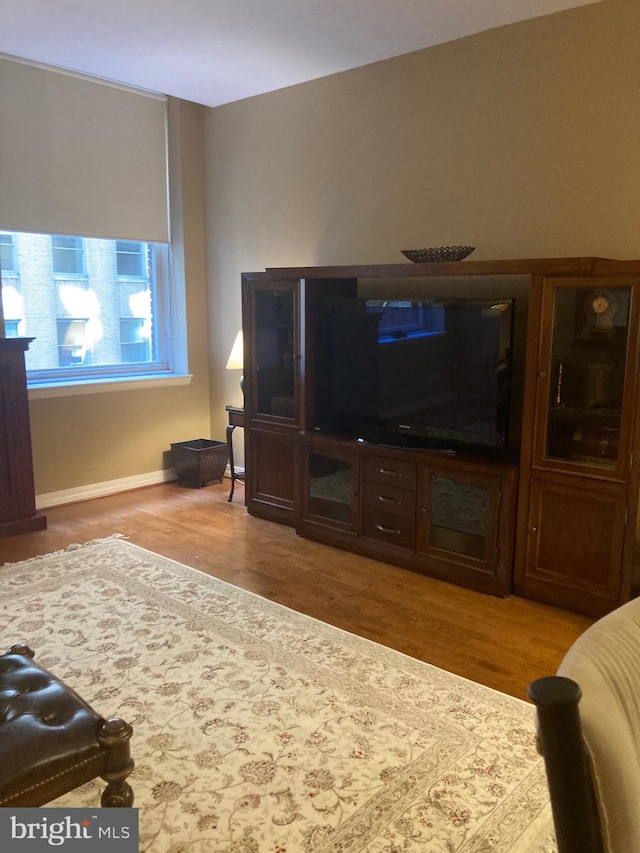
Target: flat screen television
(434, 373)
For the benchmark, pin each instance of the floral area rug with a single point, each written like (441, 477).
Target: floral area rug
(260, 730)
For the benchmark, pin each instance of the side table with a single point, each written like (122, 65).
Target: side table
(236, 419)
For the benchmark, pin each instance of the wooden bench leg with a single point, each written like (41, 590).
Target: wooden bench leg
(115, 736)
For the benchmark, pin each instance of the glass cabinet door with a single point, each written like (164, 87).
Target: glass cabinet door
(275, 348)
(584, 379)
(464, 525)
(331, 489)
(462, 516)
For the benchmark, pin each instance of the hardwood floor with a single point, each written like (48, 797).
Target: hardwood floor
(503, 643)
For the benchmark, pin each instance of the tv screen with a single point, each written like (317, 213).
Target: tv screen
(433, 373)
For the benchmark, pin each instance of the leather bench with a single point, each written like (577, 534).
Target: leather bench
(52, 741)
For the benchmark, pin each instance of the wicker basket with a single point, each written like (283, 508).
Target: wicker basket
(441, 254)
(199, 461)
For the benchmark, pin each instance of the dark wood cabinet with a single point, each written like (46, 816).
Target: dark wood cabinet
(439, 515)
(577, 535)
(271, 315)
(555, 518)
(17, 498)
(584, 396)
(574, 544)
(269, 474)
(279, 389)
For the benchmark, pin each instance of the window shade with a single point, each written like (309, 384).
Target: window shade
(80, 156)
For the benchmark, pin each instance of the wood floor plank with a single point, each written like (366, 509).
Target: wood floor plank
(503, 643)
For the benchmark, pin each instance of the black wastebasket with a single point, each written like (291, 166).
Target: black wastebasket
(199, 461)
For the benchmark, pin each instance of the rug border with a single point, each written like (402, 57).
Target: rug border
(118, 539)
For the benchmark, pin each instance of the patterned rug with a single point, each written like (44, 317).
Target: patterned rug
(260, 730)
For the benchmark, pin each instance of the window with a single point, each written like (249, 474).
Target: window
(135, 342)
(131, 259)
(67, 255)
(62, 285)
(73, 346)
(97, 309)
(7, 253)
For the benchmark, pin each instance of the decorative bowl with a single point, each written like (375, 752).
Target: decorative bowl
(440, 254)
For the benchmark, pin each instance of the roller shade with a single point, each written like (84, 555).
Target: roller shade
(80, 156)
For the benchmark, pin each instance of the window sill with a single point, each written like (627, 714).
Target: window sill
(41, 391)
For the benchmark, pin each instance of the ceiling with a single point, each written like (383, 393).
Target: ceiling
(217, 51)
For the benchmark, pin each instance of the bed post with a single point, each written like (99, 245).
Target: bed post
(573, 801)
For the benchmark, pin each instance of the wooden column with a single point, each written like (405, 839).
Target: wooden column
(17, 497)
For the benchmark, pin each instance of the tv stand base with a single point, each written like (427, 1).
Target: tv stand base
(436, 512)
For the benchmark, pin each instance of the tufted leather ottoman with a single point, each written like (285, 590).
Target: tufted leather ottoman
(51, 741)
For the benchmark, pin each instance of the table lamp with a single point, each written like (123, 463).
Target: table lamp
(236, 357)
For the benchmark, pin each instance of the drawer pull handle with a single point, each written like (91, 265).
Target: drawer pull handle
(388, 471)
(384, 529)
(385, 499)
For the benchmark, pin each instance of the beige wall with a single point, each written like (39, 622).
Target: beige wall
(96, 438)
(523, 141)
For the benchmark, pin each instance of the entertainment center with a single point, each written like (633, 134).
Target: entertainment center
(473, 421)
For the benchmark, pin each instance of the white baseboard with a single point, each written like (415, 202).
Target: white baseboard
(99, 490)
(109, 487)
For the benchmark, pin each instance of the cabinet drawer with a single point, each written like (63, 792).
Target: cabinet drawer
(387, 498)
(396, 530)
(377, 469)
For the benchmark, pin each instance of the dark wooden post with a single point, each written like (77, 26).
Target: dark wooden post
(575, 813)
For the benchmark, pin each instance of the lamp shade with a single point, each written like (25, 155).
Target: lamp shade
(236, 357)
